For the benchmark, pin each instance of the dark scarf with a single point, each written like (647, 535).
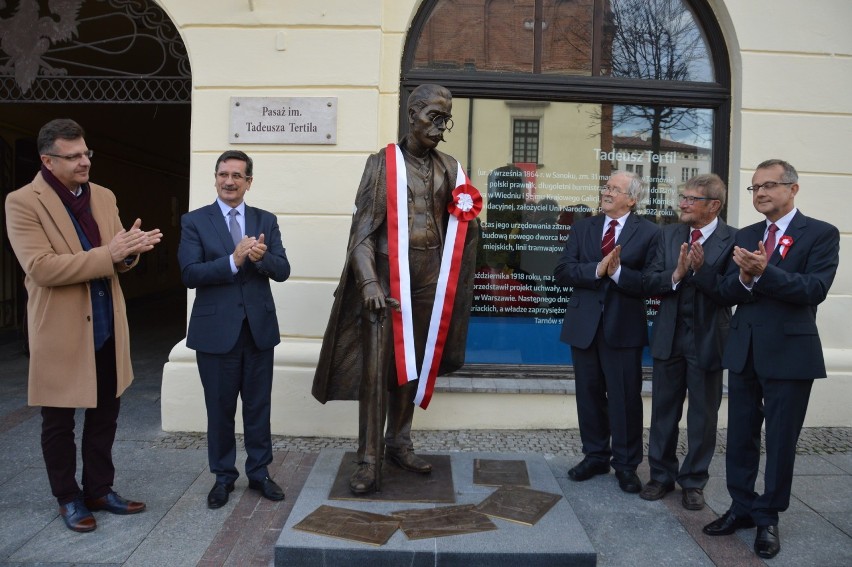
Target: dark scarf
(79, 206)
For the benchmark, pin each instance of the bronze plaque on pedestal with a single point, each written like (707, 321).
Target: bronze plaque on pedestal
(400, 485)
(496, 472)
(443, 521)
(518, 504)
(354, 525)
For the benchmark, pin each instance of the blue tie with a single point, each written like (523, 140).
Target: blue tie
(234, 226)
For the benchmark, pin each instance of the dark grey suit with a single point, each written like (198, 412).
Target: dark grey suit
(688, 335)
(606, 327)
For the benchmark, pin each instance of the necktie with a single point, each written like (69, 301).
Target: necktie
(234, 226)
(608, 242)
(770, 240)
(696, 236)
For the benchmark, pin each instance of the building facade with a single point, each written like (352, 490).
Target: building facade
(549, 97)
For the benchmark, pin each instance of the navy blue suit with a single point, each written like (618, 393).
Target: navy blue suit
(689, 333)
(773, 353)
(606, 327)
(233, 329)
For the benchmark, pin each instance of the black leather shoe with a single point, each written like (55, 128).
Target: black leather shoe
(114, 504)
(728, 524)
(767, 543)
(363, 480)
(406, 459)
(586, 469)
(628, 481)
(268, 489)
(692, 499)
(77, 517)
(218, 496)
(655, 490)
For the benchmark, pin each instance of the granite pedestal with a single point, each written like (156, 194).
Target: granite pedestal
(557, 539)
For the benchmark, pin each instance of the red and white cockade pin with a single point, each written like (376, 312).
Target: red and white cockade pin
(786, 242)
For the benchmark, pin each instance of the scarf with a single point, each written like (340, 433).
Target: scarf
(79, 207)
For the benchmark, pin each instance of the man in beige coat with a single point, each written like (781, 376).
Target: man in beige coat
(68, 237)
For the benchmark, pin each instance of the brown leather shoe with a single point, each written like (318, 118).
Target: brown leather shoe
(655, 490)
(693, 498)
(363, 480)
(77, 517)
(406, 459)
(114, 504)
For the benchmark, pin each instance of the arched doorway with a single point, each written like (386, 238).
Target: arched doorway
(120, 69)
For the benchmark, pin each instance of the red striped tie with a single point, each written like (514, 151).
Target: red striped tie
(608, 242)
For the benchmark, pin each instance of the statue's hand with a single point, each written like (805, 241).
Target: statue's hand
(374, 297)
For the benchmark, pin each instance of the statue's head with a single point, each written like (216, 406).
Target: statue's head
(429, 114)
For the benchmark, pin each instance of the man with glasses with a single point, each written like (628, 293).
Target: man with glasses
(68, 237)
(782, 268)
(228, 253)
(363, 348)
(605, 325)
(689, 332)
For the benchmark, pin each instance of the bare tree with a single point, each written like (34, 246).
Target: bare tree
(657, 40)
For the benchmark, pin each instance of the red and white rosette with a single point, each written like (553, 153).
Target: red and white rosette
(465, 206)
(785, 243)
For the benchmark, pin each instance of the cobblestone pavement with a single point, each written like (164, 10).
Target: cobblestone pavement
(561, 442)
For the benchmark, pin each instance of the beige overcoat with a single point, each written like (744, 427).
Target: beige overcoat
(59, 305)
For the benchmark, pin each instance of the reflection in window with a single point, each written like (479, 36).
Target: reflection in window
(525, 141)
(639, 39)
(656, 39)
(528, 211)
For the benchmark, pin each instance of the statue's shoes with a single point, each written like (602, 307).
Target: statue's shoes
(406, 459)
(363, 480)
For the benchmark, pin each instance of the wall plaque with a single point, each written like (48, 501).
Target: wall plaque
(268, 120)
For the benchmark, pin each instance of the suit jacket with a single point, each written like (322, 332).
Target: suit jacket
(776, 320)
(619, 307)
(711, 312)
(340, 367)
(59, 302)
(222, 299)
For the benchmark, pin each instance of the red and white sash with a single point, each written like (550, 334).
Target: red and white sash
(465, 206)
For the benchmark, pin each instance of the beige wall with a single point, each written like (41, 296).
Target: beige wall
(792, 72)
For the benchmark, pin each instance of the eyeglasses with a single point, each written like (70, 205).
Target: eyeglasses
(769, 185)
(690, 199)
(442, 121)
(606, 189)
(74, 157)
(237, 177)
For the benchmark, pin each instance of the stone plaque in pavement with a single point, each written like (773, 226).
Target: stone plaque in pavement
(443, 521)
(518, 504)
(498, 472)
(399, 485)
(353, 525)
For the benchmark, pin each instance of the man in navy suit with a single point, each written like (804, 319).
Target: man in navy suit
(689, 332)
(606, 327)
(228, 253)
(782, 268)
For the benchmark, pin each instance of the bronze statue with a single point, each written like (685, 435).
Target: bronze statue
(365, 348)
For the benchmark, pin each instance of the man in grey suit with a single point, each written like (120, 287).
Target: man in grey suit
(228, 253)
(688, 335)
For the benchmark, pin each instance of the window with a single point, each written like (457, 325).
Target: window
(578, 88)
(525, 141)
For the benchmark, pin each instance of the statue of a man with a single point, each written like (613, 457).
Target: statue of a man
(367, 345)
